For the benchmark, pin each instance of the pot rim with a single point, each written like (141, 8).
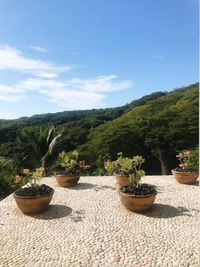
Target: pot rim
(138, 196)
(185, 172)
(68, 175)
(123, 175)
(33, 197)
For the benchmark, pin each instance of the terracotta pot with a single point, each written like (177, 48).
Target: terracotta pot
(137, 203)
(185, 177)
(121, 180)
(35, 204)
(67, 180)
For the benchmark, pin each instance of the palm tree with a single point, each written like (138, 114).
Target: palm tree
(38, 144)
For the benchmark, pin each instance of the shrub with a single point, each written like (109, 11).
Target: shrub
(130, 167)
(69, 164)
(189, 160)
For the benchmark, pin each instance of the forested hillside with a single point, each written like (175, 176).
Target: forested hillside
(155, 126)
(156, 130)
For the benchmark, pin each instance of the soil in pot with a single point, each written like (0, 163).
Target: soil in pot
(138, 198)
(184, 176)
(42, 189)
(140, 190)
(33, 201)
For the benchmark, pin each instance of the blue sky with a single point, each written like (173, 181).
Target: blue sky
(60, 55)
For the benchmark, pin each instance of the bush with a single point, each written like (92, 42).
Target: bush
(194, 159)
(189, 160)
(9, 183)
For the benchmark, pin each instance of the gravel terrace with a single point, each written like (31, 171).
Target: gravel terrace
(87, 226)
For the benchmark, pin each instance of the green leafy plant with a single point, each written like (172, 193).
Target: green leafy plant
(189, 160)
(130, 167)
(38, 144)
(33, 188)
(8, 182)
(31, 177)
(69, 164)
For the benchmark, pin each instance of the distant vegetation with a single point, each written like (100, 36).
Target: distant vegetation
(156, 127)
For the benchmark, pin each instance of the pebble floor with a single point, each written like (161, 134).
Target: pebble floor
(87, 226)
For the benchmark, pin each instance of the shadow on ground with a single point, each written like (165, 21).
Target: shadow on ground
(82, 186)
(95, 187)
(77, 215)
(195, 184)
(53, 212)
(103, 187)
(166, 211)
(160, 189)
(60, 211)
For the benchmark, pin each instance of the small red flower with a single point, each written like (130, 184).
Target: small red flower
(25, 171)
(86, 167)
(18, 178)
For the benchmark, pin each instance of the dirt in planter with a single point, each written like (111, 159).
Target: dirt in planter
(72, 173)
(178, 169)
(141, 189)
(42, 189)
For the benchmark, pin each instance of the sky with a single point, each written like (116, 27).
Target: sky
(58, 55)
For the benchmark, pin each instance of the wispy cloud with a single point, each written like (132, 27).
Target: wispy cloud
(104, 84)
(48, 75)
(79, 93)
(12, 59)
(39, 49)
(71, 94)
(11, 94)
(71, 100)
(11, 97)
(74, 93)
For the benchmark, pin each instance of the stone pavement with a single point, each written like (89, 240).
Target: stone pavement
(87, 226)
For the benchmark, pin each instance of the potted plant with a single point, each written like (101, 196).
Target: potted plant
(69, 168)
(134, 196)
(121, 169)
(188, 170)
(34, 197)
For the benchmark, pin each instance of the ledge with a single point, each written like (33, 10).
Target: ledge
(87, 226)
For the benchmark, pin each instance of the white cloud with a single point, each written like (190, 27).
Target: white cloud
(39, 49)
(75, 93)
(48, 75)
(39, 84)
(71, 94)
(12, 59)
(71, 100)
(5, 89)
(11, 97)
(103, 84)
(11, 94)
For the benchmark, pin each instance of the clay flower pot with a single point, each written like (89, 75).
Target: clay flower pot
(33, 204)
(137, 202)
(121, 180)
(185, 177)
(67, 180)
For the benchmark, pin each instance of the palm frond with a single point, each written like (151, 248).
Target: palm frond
(38, 142)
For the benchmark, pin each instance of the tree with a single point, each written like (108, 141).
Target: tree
(37, 144)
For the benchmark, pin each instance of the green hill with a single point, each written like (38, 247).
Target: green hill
(156, 129)
(155, 126)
